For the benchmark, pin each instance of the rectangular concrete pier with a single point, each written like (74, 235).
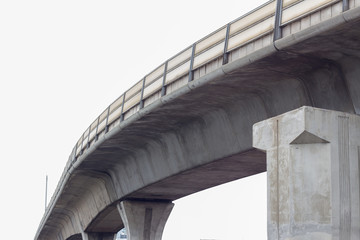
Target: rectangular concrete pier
(313, 174)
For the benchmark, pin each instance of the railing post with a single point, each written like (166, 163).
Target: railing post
(346, 5)
(122, 108)
(141, 105)
(107, 120)
(75, 150)
(192, 62)
(97, 128)
(163, 88)
(88, 138)
(278, 13)
(226, 43)
(82, 144)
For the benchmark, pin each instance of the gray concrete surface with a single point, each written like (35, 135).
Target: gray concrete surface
(313, 174)
(144, 220)
(200, 135)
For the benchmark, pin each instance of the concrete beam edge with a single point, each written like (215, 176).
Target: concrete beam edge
(317, 29)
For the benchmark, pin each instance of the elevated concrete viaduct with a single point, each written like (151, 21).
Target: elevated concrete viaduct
(195, 132)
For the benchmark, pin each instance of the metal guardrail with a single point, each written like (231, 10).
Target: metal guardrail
(269, 18)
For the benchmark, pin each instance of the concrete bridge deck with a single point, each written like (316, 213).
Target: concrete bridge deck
(187, 126)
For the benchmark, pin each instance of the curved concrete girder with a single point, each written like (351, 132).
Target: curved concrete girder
(351, 72)
(72, 207)
(273, 95)
(71, 196)
(86, 182)
(68, 228)
(144, 220)
(75, 227)
(169, 152)
(56, 223)
(108, 220)
(98, 188)
(90, 205)
(48, 232)
(325, 87)
(214, 136)
(328, 88)
(103, 194)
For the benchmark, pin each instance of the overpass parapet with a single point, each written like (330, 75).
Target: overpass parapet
(239, 38)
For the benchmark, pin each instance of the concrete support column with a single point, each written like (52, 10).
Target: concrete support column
(99, 236)
(144, 220)
(313, 174)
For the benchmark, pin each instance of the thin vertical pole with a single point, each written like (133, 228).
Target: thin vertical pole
(141, 104)
(88, 138)
(163, 89)
(122, 108)
(107, 120)
(278, 13)
(97, 128)
(192, 63)
(46, 187)
(82, 142)
(76, 147)
(226, 54)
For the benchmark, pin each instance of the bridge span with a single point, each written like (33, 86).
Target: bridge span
(188, 126)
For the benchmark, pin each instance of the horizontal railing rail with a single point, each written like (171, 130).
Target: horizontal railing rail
(253, 25)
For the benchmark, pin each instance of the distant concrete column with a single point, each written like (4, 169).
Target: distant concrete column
(144, 220)
(99, 236)
(313, 174)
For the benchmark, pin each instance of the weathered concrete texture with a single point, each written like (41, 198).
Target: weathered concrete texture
(313, 174)
(205, 152)
(144, 220)
(200, 135)
(108, 220)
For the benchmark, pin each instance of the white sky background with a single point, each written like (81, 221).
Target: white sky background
(62, 63)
